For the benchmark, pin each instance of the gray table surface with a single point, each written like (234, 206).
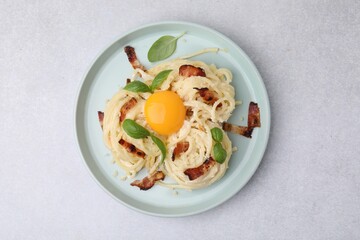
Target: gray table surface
(308, 184)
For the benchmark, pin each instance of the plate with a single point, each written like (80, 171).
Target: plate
(109, 72)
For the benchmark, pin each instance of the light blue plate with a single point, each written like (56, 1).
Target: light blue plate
(109, 72)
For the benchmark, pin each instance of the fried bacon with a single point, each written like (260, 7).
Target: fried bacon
(189, 71)
(149, 181)
(194, 173)
(241, 130)
(131, 148)
(253, 122)
(181, 147)
(208, 96)
(101, 118)
(254, 115)
(126, 107)
(130, 52)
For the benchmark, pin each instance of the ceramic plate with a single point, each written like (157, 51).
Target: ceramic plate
(109, 72)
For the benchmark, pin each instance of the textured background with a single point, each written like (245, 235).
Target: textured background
(308, 184)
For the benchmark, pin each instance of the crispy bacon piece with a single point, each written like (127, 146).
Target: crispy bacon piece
(181, 147)
(148, 182)
(194, 173)
(101, 118)
(130, 52)
(189, 71)
(253, 122)
(207, 95)
(241, 130)
(131, 148)
(126, 107)
(254, 115)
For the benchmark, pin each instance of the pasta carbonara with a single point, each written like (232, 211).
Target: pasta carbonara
(208, 98)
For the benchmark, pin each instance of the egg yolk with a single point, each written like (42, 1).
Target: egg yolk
(165, 112)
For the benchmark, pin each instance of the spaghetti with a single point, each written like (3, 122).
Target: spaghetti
(209, 100)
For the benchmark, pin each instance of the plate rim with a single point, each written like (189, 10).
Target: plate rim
(154, 24)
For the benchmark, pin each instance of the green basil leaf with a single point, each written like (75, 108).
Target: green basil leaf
(217, 134)
(219, 153)
(134, 130)
(161, 146)
(163, 48)
(159, 79)
(137, 86)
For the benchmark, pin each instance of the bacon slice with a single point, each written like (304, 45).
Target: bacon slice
(131, 148)
(101, 119)
(208, 96)
(241, 130)
(253, 122)
(194, 173)
(148, 182)
(181, 147)
(254, 115)
(189, 71)
(130, 52)
(126, 107)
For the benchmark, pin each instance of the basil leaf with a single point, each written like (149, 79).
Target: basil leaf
(217, 134)
(134, 130)
(163, 48)
(219, 153)
(161, 146)
(137, 86)
(159, 79)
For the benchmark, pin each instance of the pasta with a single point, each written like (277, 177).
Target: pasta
(189, 163)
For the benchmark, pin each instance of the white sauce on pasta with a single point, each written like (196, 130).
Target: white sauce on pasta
(195, 130)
